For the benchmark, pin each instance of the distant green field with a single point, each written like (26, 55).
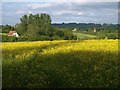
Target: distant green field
(84, 36)
(3, 34)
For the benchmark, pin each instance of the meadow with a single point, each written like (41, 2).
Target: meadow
(81, 36)
(60, 64)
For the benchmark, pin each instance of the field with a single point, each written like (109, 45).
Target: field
(61, 64)
(84, 36)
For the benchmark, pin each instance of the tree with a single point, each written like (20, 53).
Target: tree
(24, 23)
(38, 27)
(31, 31)
(112, 36)
(51, 32)
(6, 28)
(60, 33)
(44, 24)
(12, 28)
(34, 25)
(30, 19)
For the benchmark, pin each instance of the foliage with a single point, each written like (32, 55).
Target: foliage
(88, 26)
(38, 27)
(38, 24)
(60, 33)
(102, 30)
(6, 28)
(6, 38)
(61, 64)
(112, 36)
(55, 37)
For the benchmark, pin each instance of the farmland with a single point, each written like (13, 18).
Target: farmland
(84, 36)
(60, 64)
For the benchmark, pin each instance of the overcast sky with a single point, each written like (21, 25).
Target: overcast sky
(62, 11)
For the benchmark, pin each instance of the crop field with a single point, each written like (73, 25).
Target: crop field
(60, 64)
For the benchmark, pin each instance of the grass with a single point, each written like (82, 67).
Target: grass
(3, 34)
(61, 64)
(84, 36)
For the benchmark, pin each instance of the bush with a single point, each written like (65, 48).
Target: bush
(60, 33)
(39, 38)
(102, 36)
(8, 38)
(74, 37)
(70, 37)
(56, 37)
(34, 38)
(112, 36)
(43, 38)
(23, 38)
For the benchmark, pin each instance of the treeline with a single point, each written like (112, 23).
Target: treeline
(103, 31)
(6, 28)
(38, 27)
(87, 26)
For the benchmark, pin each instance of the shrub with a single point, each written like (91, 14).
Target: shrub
(60, 33)
(112, 36)
(102, 36)
(55, 37)
(23, 38)
(8, 38)
(70, 37)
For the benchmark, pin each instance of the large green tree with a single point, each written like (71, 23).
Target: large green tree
(38, 24)
(24, 22)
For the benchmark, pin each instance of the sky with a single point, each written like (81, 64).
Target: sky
(79, 11)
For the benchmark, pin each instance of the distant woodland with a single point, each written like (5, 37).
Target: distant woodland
(39, 27)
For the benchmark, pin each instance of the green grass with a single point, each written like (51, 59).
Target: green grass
(84, 36)
(3, 34)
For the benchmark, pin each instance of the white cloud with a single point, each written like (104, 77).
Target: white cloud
(80, 13)
(20, 12)
(38, 11)
(67, 12)
(29, 12)
(35, 6)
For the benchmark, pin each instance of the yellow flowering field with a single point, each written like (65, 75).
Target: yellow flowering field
(61, 64)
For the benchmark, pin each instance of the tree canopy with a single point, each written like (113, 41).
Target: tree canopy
(38, 24)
